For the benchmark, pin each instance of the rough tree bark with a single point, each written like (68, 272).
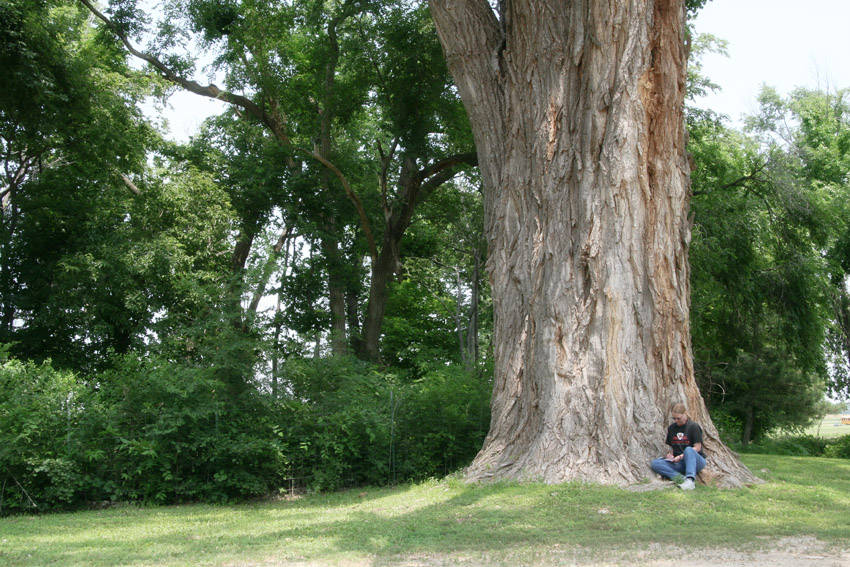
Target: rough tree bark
(577, 111)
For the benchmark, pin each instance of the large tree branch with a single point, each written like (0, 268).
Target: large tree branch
(14, 178)
(470, 158)
(386, 160)
(417, 186)
(267, 270)
(472, 40)
(742, 181)
(272, 120)
(324, 150)
(358, 204)
(209, 91)
(475, 43)
(438, 173)
(130, 185)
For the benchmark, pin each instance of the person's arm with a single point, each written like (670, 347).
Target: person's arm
(696, 435)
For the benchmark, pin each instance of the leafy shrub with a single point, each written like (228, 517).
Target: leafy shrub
(441, 422)
(802, 446)
(40, 412)
(838, 448)
(347, 423)
(335, 422)
(176, 432)
(161, 430)
(791, 446)
(728, 427)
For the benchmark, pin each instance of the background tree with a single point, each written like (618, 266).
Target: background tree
(310, 69)
(72, 138)
(442, 286)
(820, 148)
(767, 222)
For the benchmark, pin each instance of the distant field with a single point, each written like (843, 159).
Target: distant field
(829, 427)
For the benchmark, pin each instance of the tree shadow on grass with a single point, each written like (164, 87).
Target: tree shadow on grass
(445, 519)
(374, 525)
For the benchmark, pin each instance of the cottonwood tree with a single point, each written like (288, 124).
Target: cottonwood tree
(577, 112)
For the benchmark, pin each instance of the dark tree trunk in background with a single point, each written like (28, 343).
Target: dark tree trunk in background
(415, 186)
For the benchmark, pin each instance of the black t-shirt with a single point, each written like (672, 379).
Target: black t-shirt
(681, 437)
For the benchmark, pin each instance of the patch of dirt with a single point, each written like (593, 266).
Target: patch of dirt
(654, 484)
(786, 552)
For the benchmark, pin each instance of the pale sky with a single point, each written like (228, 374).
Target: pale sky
(781, 43)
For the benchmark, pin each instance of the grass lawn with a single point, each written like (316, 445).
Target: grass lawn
(829, 427)
(446, 522)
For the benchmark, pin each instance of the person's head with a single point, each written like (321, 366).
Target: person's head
(679, 414)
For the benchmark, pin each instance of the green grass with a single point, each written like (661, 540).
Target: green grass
(446, 522)
(829, 427)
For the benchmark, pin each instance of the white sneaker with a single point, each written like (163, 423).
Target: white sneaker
(688, 484)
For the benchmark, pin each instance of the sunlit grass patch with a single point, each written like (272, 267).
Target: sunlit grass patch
(446, 519)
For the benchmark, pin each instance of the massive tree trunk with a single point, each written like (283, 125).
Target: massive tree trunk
(577, 111)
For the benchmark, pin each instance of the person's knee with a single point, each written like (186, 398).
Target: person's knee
(699, 460)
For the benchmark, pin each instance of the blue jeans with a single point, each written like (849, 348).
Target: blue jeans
(688, 467)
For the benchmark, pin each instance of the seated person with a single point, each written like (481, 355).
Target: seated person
(685, 457)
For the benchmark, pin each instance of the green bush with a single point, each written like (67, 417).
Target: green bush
(441, 422)
(790, 446)
(838, 448)
(347, 423)
(40, 445)
(149, 430)
(728, 427)
(802, 446)
(335, 422)
(159, 430)
(175, 432)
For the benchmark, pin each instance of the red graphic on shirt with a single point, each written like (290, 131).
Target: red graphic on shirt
(681, 439)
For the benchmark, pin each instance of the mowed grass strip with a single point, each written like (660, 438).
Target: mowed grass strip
(445, 519)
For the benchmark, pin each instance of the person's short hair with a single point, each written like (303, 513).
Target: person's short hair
(679, 409)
